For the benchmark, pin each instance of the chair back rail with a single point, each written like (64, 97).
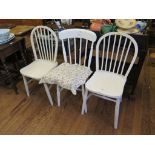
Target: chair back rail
(44, 43)
(112, 53)
(77, 45)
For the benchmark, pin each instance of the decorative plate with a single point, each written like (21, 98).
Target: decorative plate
(9, 39)
(129, 31)
(125, 23)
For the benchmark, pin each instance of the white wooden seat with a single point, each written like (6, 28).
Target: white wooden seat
(106, 83)
(37, 69)
(44, 45)
(112, 52)
(77, 45)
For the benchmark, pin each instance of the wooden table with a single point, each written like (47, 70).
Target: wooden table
(20, 30)
(23, 31)
(6, 50)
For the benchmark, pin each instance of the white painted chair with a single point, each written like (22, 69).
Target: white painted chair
(77, 45)
(115, 56)
(44, 44)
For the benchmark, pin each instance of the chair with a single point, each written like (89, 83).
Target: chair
(77, 46)
(44, 44)
(113, 64)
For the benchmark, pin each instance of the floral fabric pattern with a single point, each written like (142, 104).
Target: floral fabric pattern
(68, 76)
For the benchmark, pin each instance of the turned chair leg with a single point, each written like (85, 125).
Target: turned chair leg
(26, 86)
(117, 107)
(58, 95)
(48, 94)
(84, 105)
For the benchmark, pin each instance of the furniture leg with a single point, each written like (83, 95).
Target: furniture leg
(13, 85)
(116, 113)
(137, 73)
(26, 86)
(58, 95)
(48, 94)
(22, 49)
(83, 91)
(84, 105)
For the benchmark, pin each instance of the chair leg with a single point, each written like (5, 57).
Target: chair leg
(48, 94)
(83, 91)
(26, 86)
(58, 95)
(118, 101)
(84, 105)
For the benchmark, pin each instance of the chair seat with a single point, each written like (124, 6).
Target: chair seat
(37, 69)
(106, 83)
(68, 76)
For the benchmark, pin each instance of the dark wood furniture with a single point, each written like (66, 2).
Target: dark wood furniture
(31, 22)
(21, 30)
(6, 50)
(142, 41)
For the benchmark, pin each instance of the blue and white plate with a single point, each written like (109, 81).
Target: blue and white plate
(9, 39)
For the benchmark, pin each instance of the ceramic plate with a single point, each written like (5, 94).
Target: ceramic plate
(125, 23)
(129, 31)
(10, 38)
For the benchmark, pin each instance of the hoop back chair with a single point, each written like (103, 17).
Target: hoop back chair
(115, 55)
(44, 45)
(77, 46)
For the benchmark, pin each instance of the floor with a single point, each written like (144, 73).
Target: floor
(34, 115)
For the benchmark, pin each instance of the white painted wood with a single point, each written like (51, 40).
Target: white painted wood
(113, 48)
(85, 57)
(84, 106)
(102, 55)
(69, 49)
(90, 55)
(48, 94)
(58, 95)
(80, 51)
(108, 83)
(125, 61)
(44, 39)
(77, 33)
(49, 49)
(72, 36)
(64, 51)
(84, 36)
(75, 50)
(45, 45)
(116, 58)
(116, 116)
(38, 68)
(107, 53)
(121, 56)
(117, 50)
(26, 86)
(37, 42)
(83, 90)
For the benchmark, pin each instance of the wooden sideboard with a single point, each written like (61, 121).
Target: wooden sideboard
(31, 22)
(6, 50)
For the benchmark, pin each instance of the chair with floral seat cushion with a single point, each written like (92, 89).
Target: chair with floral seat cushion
(77, 45)
(44, 45)
(115, 56)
